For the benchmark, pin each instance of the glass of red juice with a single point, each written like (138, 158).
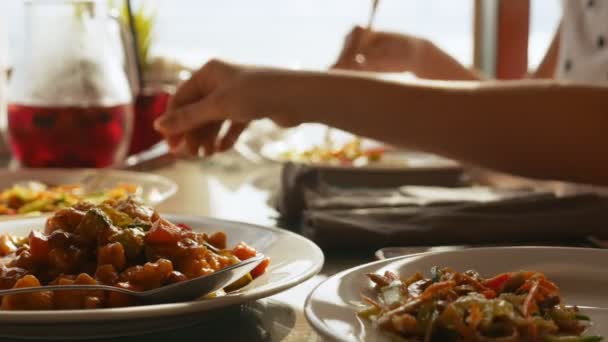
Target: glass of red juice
(69, 98)
(149, 105)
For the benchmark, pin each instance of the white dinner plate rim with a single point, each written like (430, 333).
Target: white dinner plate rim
(326, 332)
(161, 310)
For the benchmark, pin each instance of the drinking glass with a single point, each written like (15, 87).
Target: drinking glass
(151, 102)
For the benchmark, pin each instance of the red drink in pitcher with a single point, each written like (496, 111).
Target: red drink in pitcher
(68, 136)
(69, 96)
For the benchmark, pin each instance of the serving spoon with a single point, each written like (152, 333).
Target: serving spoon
(178, 292)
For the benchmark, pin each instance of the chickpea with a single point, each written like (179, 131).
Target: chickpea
(113, 254)
(28, 301)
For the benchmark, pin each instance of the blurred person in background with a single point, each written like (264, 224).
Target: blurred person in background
(367, 50)
(548, 129)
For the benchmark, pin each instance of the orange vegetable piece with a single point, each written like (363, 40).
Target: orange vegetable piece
(261, 268)
(163, 232)
(430, 291)
(218, 240)
(244, 251)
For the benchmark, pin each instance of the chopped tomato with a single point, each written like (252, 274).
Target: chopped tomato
(163, 232)
(244, 251)
(489, 294)
(261, 268)
(218, 240)
(498, 282)
(184, 226)
(39, 246)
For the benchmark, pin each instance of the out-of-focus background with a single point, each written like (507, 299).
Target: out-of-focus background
(305, 33)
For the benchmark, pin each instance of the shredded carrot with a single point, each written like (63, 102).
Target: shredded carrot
(549, 285)
(530, 298)
(529, 283)
(371, 301)
(430, 291)
(472, 281)
(475, 316)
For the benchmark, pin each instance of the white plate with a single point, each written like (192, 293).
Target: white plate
(293, 260)
(580, 273)
(155, 189)
(307, 136)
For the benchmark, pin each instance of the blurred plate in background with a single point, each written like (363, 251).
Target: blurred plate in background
(295, 141)
(153, 189)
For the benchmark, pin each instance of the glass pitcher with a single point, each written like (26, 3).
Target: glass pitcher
(70, 103)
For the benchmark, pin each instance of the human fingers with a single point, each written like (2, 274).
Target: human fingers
(347, 58)
(201, 83)
(185, 118)
(174, 141)
(232, 135)
(205, 137)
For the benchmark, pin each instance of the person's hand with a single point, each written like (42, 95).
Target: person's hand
(217, 94)
(367, 50)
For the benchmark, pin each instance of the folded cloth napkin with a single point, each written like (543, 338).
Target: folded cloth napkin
(371, 187)
(539, 217)
(363, 211)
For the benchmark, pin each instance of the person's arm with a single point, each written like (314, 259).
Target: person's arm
(378, 51)
(538, 129)
(437, 64)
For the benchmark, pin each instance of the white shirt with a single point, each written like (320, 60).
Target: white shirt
(583, 53)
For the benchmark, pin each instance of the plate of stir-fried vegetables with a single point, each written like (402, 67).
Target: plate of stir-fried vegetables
(32, 192)
(314, 144)
(484, 294)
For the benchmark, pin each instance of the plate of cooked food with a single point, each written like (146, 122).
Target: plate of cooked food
(33, 192)
(126, 244)
(477, 294)
(326, 147)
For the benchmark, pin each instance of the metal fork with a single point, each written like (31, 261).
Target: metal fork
(183, 291)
